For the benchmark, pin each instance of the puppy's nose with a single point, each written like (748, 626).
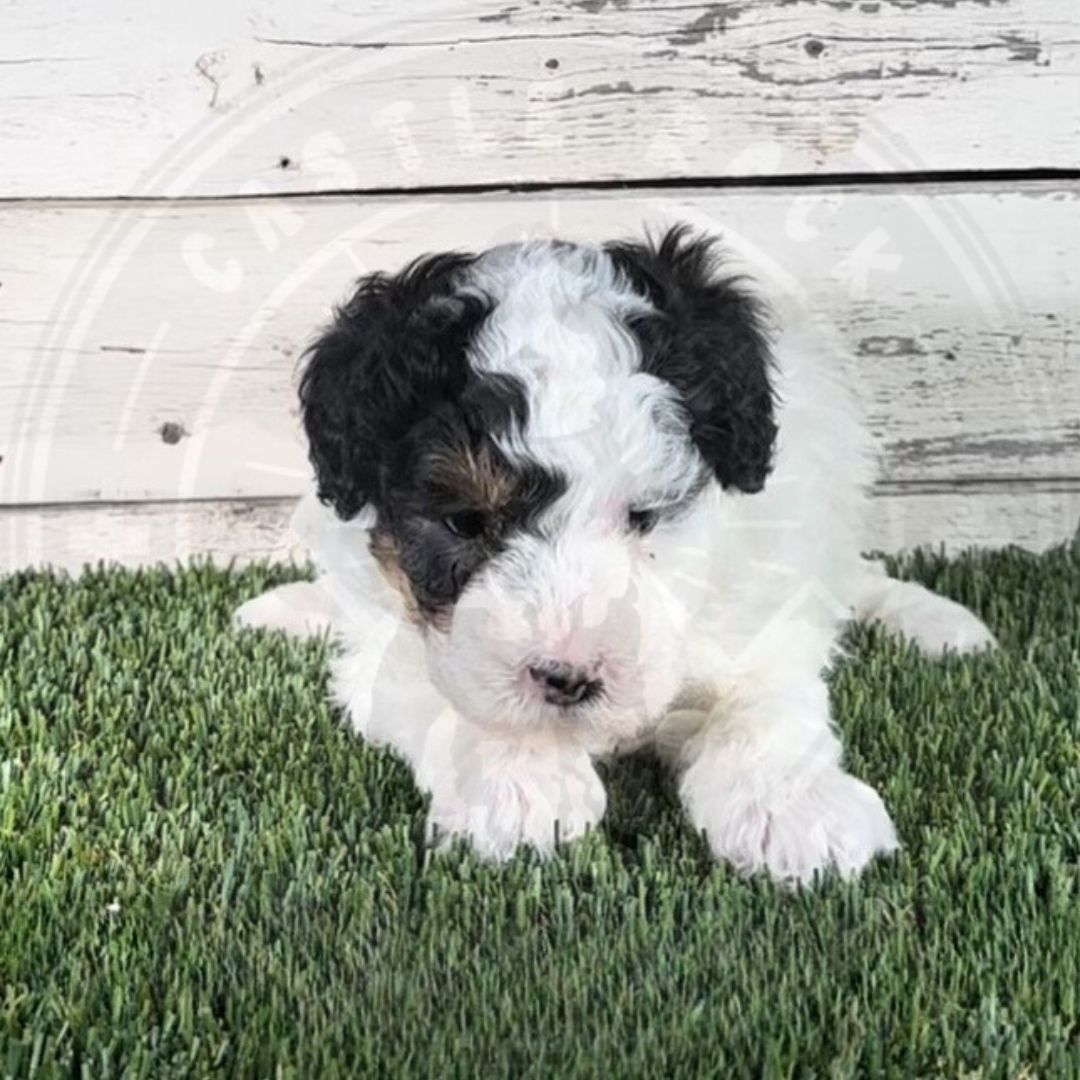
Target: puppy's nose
(565, 685)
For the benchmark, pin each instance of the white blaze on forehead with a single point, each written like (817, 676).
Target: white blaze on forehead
(559, 328)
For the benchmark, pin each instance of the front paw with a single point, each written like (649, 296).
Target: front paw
(499, 800)
(791, 829)
(301, 608)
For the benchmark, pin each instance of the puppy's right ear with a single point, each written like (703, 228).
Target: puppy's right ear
(393, 350)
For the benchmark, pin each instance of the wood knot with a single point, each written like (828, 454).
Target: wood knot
(171, 432)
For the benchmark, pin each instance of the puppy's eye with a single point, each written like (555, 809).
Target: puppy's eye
(642, 521)
(466, 524)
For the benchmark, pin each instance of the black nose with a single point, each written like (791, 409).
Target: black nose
(565, 685)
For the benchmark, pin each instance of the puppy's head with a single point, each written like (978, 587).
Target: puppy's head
(541, 433)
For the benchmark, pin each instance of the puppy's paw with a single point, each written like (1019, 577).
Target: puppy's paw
(939, 625)
(499, 801)
(301, 608)
(790, 829)
(935, 623)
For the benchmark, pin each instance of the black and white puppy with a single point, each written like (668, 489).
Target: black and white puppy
(573, 499)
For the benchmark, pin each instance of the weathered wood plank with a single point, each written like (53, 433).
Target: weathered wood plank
(142, 534)
(136, 534)
(241, 95)
(1031, 514)
(149, 350)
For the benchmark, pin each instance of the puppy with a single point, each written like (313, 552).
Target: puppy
(574, 499)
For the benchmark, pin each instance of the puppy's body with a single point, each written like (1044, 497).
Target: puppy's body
(620, 512)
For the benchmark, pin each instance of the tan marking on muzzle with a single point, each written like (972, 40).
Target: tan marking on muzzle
(387, 554)
(384, 549)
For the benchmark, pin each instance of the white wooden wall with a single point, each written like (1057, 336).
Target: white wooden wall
(188, 188)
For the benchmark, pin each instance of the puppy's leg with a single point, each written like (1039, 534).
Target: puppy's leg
(301, 608)
(761, 775)
(935, 623)
(501, 790)
(494, 789)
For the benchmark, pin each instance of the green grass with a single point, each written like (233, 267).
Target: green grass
(204, 874)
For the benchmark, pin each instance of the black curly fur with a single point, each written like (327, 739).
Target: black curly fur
(393, 354)
(394, 414)
(709, 340)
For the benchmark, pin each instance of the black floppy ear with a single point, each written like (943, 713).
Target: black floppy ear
(708, 339)
(392, 351)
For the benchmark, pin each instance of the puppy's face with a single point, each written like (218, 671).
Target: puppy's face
(544, 432)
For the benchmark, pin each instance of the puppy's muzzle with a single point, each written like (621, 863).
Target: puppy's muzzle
(565, 685)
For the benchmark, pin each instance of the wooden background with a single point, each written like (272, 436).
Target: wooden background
(186, 191)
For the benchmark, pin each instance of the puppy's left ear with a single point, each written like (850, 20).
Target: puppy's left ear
(707, 337)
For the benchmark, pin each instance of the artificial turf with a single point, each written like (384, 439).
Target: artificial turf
(204, 874)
